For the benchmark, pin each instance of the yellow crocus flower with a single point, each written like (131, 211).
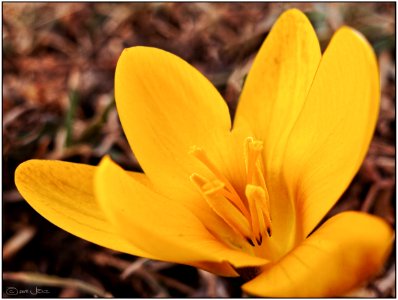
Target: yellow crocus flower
(232, 198)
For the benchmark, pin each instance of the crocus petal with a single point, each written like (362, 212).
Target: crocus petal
(280, 78)
(272, 97)
(165, 229)
(334, 129)
(342, 253)
(62, 192)
(166, 106)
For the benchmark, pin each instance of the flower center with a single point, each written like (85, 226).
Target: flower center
(249, 216)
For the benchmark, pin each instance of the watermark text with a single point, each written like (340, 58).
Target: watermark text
(34, 291)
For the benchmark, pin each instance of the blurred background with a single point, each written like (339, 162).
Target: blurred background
(58, 69)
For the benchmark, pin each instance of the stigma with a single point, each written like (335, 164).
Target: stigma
(247, 215)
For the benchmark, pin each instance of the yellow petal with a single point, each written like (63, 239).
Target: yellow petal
(333, 132)
(280, 78)
(166, 106)
(272, 97)
(159, 226)
(343, 253)
(62, 193)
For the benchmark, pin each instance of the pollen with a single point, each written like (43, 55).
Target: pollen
(248, 215)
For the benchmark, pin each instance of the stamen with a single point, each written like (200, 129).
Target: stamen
(211, 190)
(261, 181)
(258, 175)
(198, 180)
(251, 218)
(261, 221)
(233, 196)
(207, 186)
(253, 150)
(250, 242)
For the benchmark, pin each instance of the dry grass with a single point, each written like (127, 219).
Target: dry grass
(58, 68)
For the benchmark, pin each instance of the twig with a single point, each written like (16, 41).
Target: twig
(387, 282)
(372, 194)
(18, 241)
(210, 282)
(152, 281)
(133, 268)
(12, 196)
(175, 284)
(104, 259)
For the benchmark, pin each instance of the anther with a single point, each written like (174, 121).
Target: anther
(260, 240)
(212, 192)
(250, 219)
(259, 211)
(230, 192)
(253, 150)
(198, 180)
(206, 186)
(250, 241)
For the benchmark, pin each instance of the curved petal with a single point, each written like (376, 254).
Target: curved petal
(161, 227)
(279, 80)
(166, 106)
(272, 97)
(333, 132)
(62, 192)
(343, 253)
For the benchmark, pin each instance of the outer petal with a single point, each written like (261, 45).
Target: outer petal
(333, 132)
(272, 97)
(166, 106)
(159, 226)
(62, 193)
(342, 253)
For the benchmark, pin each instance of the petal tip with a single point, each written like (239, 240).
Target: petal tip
(140, 50)
(20, 169)
(294, 14)
(23, 170)
(348, 33)
(106, 159)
